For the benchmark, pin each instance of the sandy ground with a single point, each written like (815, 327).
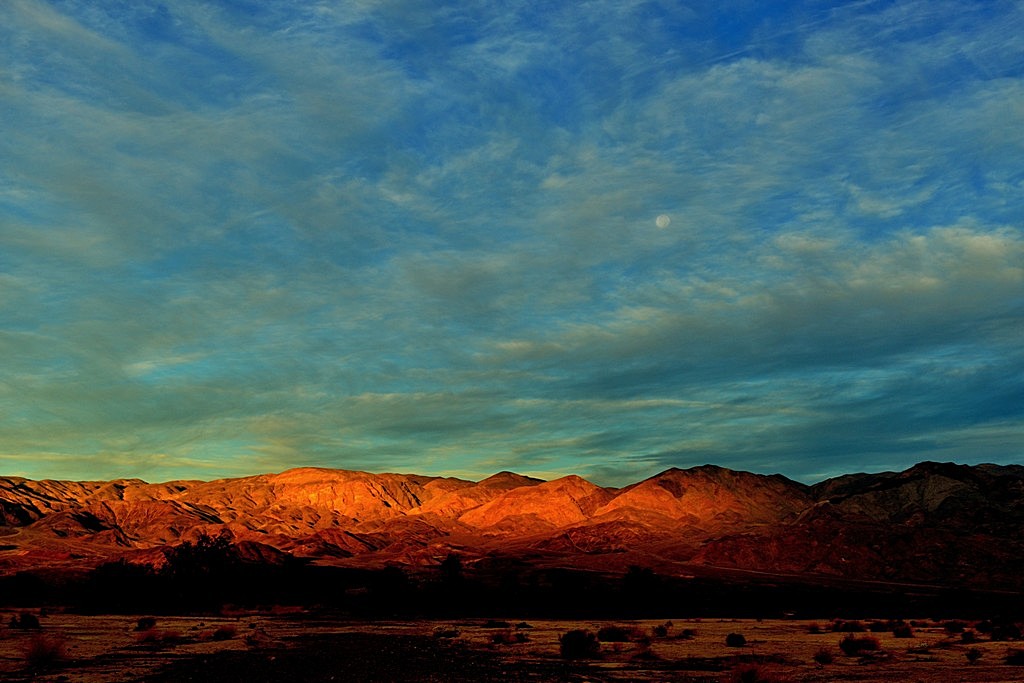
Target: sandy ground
(309, 647)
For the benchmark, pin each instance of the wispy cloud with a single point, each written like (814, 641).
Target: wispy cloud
(238, 238)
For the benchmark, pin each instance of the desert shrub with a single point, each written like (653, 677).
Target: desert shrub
(147, 637)
(1015, 657)
(752, 673)
(613, 634)
(1005, 631)
(157, 637)
(145, 624)
(578, 644)
(686, 634)
(662, 630)
(646, 655)
(44, 651)
(878, 626)
(495, 623)
(258, 638)
(968, 636)
(854, 645)
(509, 637)
(824, 656)
(814, 628)
(225, 632)
(983, 626)
(446, 632)
(973, 655)
(25, 620)
(842, 626)
(279, 610)
(952, 627)
(735, 640)
(523, 624)
(903, 631)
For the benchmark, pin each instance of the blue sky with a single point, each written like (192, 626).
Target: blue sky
(601, 238)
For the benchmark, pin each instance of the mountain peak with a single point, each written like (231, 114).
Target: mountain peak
(506, 478)
(930, 468)
(709, 495)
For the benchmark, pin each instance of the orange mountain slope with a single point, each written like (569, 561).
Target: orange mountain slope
(934, 522)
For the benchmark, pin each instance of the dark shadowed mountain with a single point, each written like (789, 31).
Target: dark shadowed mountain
(935, 523)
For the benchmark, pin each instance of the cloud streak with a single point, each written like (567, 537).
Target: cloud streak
(397, 237)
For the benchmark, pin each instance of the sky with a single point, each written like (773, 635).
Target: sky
(604, 237)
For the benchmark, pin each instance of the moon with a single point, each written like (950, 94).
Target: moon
(662, 221)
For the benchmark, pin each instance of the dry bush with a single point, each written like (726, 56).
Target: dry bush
(578, 644)
(854, 645)
(44, 651)
(1005, 631)
(1015, 658)
(814, 628)
(953, 627)
(841, 626)
(225, 632)
(824, 656)
(145, 624)
(25, 620)
(973, 655)
(157, 637)
(753, 673)
(968, 637)
(509, 637)
(643, 650)
(902, 631)
(613, 634)
(646, 655)
(280, 610)
(258, 638)
(446, 632)
(662, 630)
(148, 637)
(735, 640)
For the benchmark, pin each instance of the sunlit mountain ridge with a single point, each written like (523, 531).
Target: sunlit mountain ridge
(935, 523)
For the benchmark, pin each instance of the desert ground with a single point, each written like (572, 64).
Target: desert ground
(289, 645)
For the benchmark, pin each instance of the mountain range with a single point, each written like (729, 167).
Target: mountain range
(937, 524)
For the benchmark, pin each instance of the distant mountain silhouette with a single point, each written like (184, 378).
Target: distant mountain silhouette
(935, 523)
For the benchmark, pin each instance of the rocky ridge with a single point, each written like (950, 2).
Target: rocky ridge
(935, 523)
